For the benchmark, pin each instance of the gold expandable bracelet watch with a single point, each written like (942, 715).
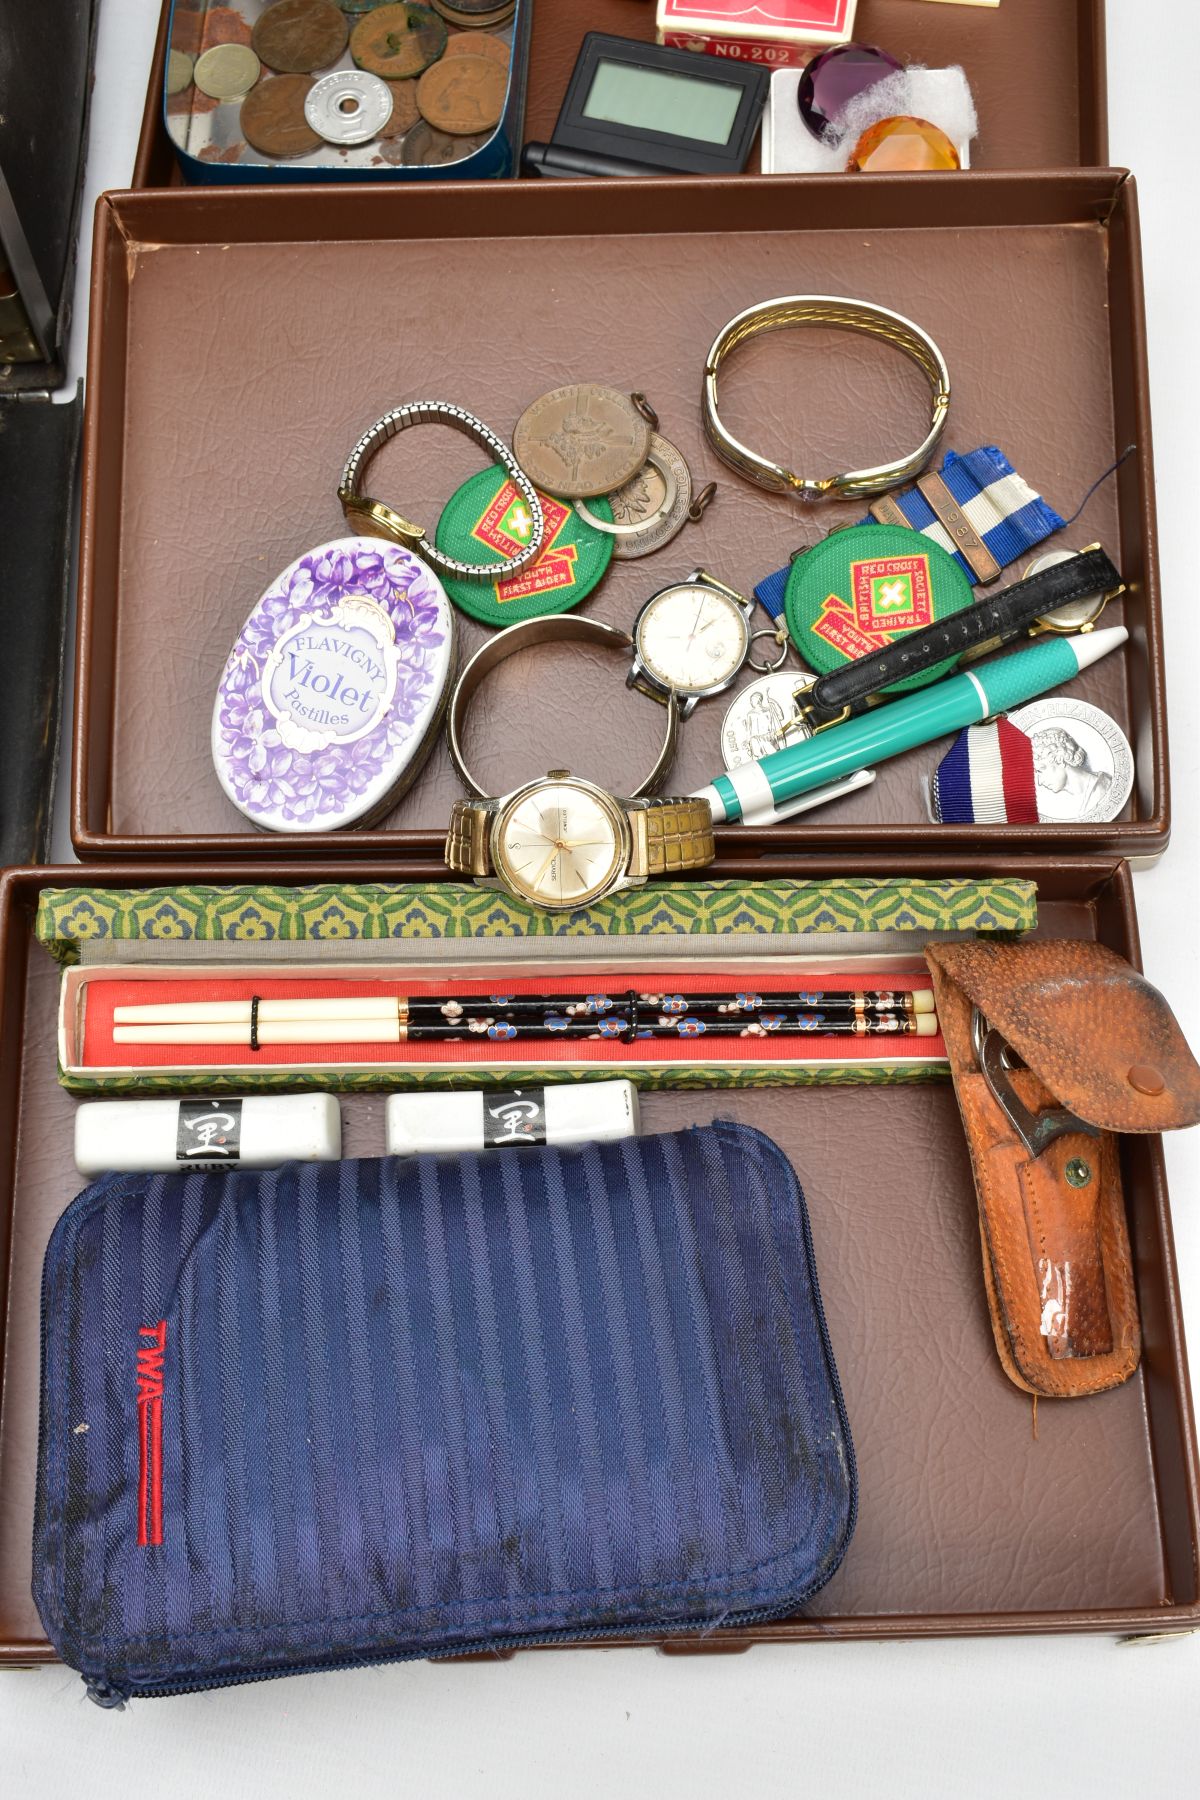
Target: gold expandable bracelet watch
(845, 315)
(559, 842)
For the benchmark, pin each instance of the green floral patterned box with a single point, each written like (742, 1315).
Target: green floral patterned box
(445, 927)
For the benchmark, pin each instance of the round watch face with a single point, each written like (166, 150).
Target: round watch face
(559, 843)
(1075, 614)
(693, 638)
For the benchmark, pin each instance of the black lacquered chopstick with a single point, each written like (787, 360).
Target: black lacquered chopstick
(461, 1008)
(496, 1026)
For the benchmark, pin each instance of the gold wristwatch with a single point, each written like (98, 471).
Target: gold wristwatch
(560, 842)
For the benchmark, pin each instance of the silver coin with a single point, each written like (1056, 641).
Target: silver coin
(651, 508)
(763, 717)
(1082, 763)
(227, 71)
(1075, 613)
(179, 71)
(349, 106)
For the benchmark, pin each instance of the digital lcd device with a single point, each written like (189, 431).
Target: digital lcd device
(641, 109)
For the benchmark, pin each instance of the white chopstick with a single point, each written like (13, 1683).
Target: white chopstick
(271, 1031)
(237, 1012)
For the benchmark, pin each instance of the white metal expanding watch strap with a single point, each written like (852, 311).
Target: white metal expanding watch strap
(378, 520)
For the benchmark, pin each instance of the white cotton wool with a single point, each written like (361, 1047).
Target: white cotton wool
(943, 96)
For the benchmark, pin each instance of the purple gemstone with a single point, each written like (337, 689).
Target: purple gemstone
(836, 77)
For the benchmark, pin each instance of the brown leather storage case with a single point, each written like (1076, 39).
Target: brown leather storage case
(1036, 68)
(243, 339)
(968, 1523)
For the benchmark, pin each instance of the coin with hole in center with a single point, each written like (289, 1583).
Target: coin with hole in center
(297, 36)
(227, 71)
(426, 148)
(398, 42)
(581, 440)
(463, 94)
(273, 120)
(348, 107)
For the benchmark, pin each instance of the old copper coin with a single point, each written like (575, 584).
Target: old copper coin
(582, 440)
(480, 43)
(398, 42)
(474, 13)
(424, 147)
(298, 36)
(273, 120)
(463, 94)
(405, 111)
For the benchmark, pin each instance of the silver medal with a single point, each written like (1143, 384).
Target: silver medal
(1082, 763)
(349, 106)
(763, 717)
(653, 506)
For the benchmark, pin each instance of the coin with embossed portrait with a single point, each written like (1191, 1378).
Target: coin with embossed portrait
(581, 440)
(463, 94)
(1082, 763)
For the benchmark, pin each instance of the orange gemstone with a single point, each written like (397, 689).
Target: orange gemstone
(903, 143)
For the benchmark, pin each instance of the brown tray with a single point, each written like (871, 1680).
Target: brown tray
(1036, 68)
(969, 1523)
(242, 341)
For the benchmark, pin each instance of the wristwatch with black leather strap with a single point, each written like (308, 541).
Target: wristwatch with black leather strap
(1046, 601)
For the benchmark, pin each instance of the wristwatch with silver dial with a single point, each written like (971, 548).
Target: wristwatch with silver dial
(691, 640)
(560, 842)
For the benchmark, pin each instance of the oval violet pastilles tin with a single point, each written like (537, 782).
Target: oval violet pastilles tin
(335, 689)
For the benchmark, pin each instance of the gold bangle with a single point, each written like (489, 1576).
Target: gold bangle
(847, 315)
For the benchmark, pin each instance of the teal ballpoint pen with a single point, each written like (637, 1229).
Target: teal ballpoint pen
(758, 791)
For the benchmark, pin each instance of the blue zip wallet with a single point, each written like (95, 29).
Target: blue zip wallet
(341, 1414)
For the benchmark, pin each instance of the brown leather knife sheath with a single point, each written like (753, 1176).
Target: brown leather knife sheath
(1098, 1041)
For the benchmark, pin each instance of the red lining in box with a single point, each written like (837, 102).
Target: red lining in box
(103, 994)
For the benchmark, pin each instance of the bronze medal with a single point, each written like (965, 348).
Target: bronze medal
(273, 121)
(463, 94)
(398, 42)
(298, 36)
(580, 441)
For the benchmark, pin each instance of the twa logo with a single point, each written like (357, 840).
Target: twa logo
(152, 1343)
